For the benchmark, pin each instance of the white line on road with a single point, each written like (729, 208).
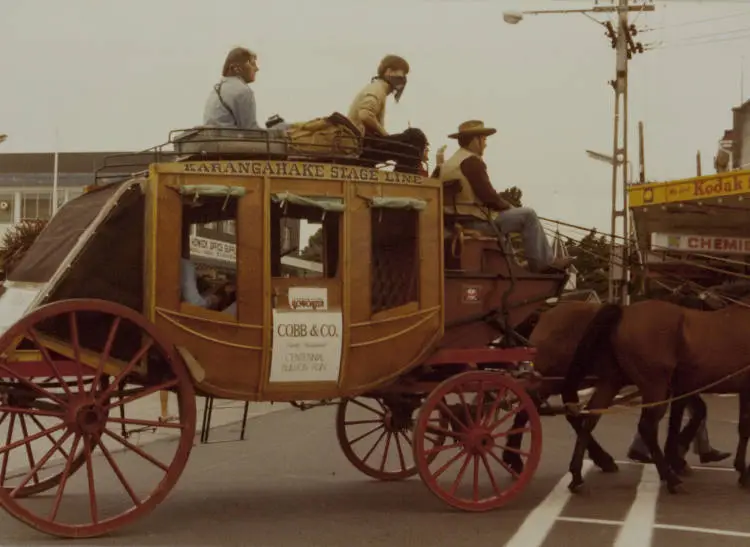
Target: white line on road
(583, 520)
(535, 528)
(698, 467)
(712, 531)
(639, 524)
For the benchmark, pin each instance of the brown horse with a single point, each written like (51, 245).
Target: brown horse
(669, 351)
(556, 337)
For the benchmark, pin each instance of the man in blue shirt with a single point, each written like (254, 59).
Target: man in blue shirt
(231, 103)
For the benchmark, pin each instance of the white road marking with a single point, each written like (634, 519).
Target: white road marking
(698, 467)
(582, 520)
(537, 525)
(695, 530)
(638, 528)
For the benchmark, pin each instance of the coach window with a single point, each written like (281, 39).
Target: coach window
(209, 247)
(305, 235)
(394, 268)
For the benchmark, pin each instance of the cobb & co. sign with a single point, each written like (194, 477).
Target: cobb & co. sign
(700, 243)
(212, 248)
(306, 346)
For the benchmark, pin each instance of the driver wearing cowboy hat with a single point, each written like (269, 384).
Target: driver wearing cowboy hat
(478, 201)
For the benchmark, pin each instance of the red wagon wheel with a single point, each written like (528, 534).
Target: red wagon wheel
(130, 362)
(480, 414)
(377, 436)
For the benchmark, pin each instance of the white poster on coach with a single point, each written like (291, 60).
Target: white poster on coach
(306, 346)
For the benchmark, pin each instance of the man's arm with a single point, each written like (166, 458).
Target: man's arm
(244, 110)
(475, 171)
(367, 111)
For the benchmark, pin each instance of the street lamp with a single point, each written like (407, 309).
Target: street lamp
(515, 17)
(622, 41)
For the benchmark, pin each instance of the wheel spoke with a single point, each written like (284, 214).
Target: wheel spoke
(64, 480)
(374, 446)
(7, 450)
(29, 453)
(141, 393)
(460, 476)
(45, 355)
(444, 432)
(401, 459)
(90, 473)
(137, 450)
(381, 426)
(494, 425)
(442, 448)
(34, 470)
(469, 419)
(486, 464)
(118, 472)
(76, 348)
(502, 463)
(495, 405)
(479, 417)
(385, 451)
(124, 372)
(10, 446)
(105, 354)
(21, 411)
(476, 477)
(50, 437)
(514, 450)
(452, 417)
(367, 407)
(511, 432)
(362, 422)
(32, 385)
(447, 464)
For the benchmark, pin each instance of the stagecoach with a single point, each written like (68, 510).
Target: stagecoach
(408, 328)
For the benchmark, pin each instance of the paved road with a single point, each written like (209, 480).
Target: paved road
(289, 485)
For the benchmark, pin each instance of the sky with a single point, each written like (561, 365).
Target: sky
(98, 75)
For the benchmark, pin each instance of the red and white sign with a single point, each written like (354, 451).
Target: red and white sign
(700, 244)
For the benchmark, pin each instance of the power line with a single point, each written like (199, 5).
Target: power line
(698, 43)
(697, 21)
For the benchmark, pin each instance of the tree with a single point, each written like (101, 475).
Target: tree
(314, 249)
(16, 241)
(591, 255)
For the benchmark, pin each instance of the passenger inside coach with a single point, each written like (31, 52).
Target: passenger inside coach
(192, 293)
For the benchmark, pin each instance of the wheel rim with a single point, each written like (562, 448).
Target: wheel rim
(470, 473)
(376, 436)
(119, 481)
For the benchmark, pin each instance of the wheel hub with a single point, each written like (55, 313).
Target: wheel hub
(87, 417)
(479, 441)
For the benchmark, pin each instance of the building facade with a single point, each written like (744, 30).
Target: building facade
(27, 192)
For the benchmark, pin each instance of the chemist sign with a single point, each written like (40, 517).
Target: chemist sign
(306, 346)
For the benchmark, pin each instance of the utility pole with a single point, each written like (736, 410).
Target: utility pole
(625, 47)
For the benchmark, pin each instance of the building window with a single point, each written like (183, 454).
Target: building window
(229, 227)
(6, 208)
(36, 206)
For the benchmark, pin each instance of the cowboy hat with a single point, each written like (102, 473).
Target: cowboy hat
(473, 128)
